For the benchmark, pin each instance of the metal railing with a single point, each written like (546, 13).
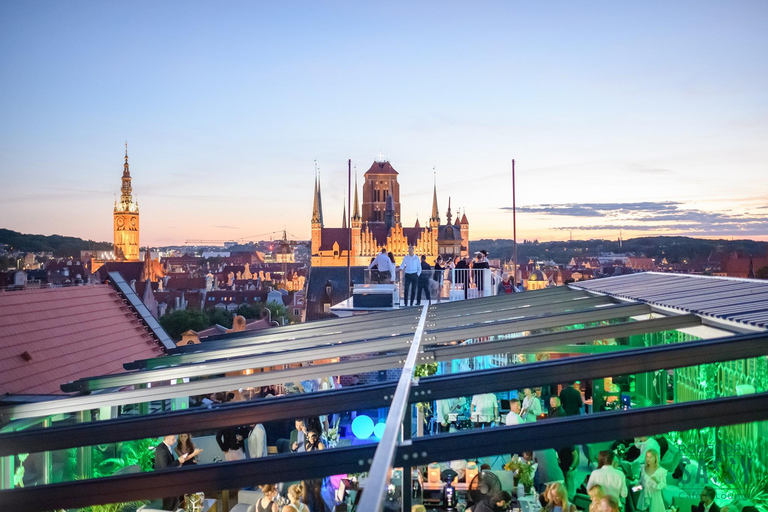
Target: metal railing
(447, 284)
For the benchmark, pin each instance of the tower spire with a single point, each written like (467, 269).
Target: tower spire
(356, 207)
(315, 209)
(448, 214)
(344, 212)
(319, 198)
(126, 189)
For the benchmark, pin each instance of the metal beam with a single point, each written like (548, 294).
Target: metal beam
(553, 433)
(569, 369)
(527, 311)
(205, 367)
(535, 323)
(293, 352)
(379, 395)
(531, 299)
(539, 342)
(509, 298)
(198, 387)
(578, 430)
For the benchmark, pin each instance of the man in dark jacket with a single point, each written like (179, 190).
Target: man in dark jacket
(570, 397)
(165, 458)
(555, 410)
(707, 503)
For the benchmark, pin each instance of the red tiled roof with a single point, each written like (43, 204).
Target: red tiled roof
(381, 168)
(70, 333)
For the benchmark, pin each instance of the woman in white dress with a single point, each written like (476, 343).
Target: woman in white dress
(294, 496)
(531, 406)
(653, 479)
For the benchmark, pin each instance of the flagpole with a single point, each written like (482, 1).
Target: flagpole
(514, 227)
(349, 226)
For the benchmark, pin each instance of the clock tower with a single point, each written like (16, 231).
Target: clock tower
(126, 219)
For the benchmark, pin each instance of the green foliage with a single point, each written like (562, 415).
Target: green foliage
(115, 507)
(761, 273)
(60, 246)
(133, 453)
(250, 311)
(219, 316)
(18, 476)
(425, 370)
(180, 321)
(278, 311)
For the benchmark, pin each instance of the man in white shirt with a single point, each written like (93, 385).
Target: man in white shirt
(513, 418)
(412, 266)
(485, 409)
(383, 264)
(609, 478)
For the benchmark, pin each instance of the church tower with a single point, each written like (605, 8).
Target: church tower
(380, 183)
(126, 219)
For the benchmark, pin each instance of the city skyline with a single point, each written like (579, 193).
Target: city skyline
(647, 119)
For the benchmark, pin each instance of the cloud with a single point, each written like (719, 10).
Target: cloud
(654, 216)
(600, 209)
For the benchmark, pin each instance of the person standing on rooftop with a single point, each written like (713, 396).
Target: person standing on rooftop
(412, 267)
(382, 263)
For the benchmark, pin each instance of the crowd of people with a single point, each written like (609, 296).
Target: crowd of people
(424, 279)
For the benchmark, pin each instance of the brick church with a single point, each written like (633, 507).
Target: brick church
(377, 223)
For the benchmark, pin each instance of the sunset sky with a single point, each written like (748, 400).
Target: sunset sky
(647, 117)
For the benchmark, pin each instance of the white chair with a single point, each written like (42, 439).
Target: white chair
(246, 501)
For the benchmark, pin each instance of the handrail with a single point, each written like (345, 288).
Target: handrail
(379, 474)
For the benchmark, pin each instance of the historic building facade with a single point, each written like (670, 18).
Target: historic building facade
(126, 219)
(378, 225)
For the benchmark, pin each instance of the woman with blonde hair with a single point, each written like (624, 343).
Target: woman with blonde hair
(653, 479)
(596, 494)
(294, 495)
(559, 502)
(267, 502)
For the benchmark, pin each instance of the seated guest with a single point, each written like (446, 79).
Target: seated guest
(494, 503)
(313, 442)
(596, 495)
(609, 504)
(266, 503)
(560, 501)
(294, 497)
(707, 503)
(613, 481)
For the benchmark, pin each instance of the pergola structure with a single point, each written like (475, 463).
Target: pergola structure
(566, 320)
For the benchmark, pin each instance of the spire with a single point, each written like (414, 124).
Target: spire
(417, 222)
(464, 220)
(435, 213)
(126, 189)
(316, 216)
(344, 212)
(319, 199)
(146, 273)
(448, 215)
(356, 207)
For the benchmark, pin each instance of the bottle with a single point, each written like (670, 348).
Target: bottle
(520, 490)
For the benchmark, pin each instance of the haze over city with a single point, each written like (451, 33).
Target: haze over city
(650, 119)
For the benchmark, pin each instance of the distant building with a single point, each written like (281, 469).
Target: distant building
(379, 225)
